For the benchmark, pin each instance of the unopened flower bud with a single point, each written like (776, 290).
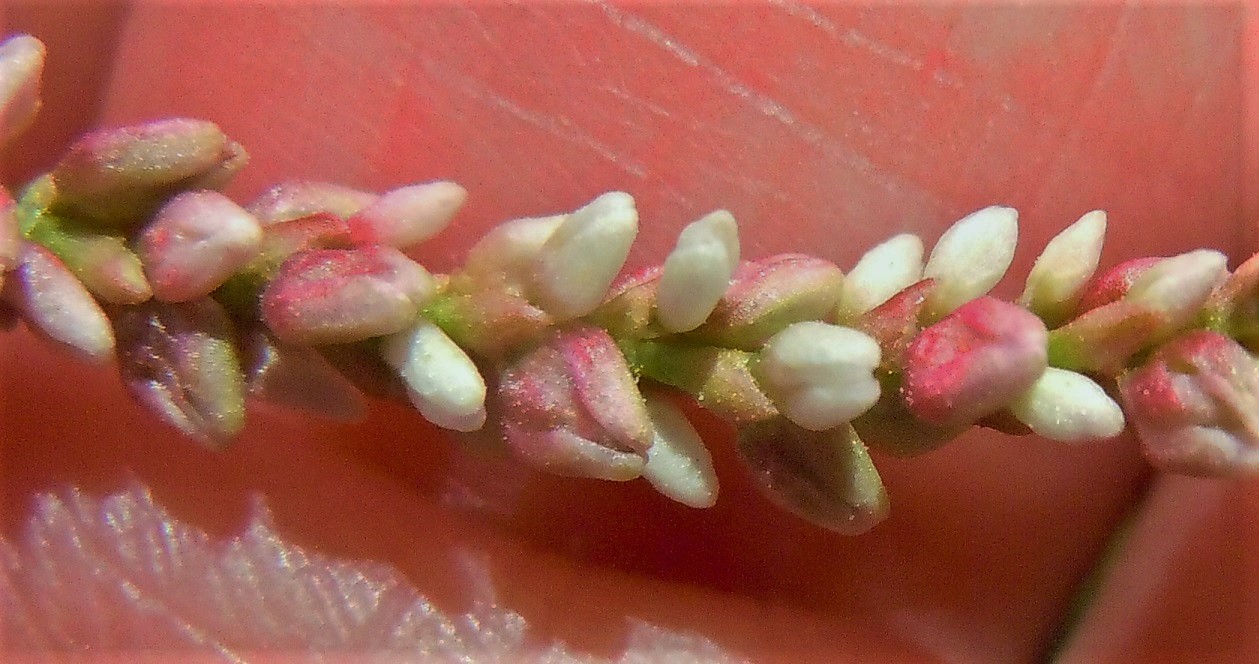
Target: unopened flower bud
(767, 295)
(299, 377)
(1070, 407)
(825, 477)
(974, 362)
(21, 68)
(491, 324)
(103, 262)
(327, 296)
(1102, 340)
(118, 176)
(895, 323)
(820, 376)
(57, 305)
(571, 407)
(1178, 287)
(719, 378)
(970, 258)
(678, 464)
(442, 382)
(1057, 280)
(881, 273)
(629, 312)
(697, 271)
(407, 216)
(197, 240)
(504, 258)
(1195, 406)
(322, 230)
(303, 198)
(180, 361)
(581, 259)
(1113, 284)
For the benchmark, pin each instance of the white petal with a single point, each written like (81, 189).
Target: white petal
(1179, 286)
(697, 271)
(409, 215)
(1070, 407)
(441, 379)
(881, 273)
(1064, 267)
(970, 258)
(581, 259)
(820, 376)
(678, 464)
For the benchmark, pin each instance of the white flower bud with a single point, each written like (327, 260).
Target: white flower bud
(1057, 279)
(697, 271)
(970, 258)
(406, 216)
(820, 376)
(1068, 406)
(441, 379)
(583, 256)
(1179, 286)
(21, 68)
(881, 273)
(678, 464)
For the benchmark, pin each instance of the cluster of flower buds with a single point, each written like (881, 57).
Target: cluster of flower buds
(309, 297)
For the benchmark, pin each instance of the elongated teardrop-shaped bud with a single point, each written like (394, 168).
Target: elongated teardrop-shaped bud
(1057, 280)
(881, 273)
(103, 262)
(57, 305)
(407, 216)
(570, 407)
(197, 240)
(697, 271)
(505, 258)
(442, 381)
(1070, 407)
(767, 295)
(970, 258)
(974, 362)
(299, 377)
(678, 464)
(1178, 287)
(119, 176)
(1195, 406)
(820, 376)
(180, 361)
(302, 198)
(1113, 284)
(825, 477)
(581, 259)
(329, 296)
(1102, 340)
(21, 71)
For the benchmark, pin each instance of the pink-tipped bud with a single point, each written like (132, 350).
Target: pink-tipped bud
(491, 324)
(303, 198)
(21, 70)
(766, 296)
(825, 477)
(322, 230)
(1102, 340)
(571, 407)
(1195, 406)
(180, 361)
(630, 309)
(327, 296)
(1114, 283)
(197, 240)
(895, 323)
(719, 378)
(407, 216)
(299, 377)
(974, 362)
(57, 305)
(119, 176)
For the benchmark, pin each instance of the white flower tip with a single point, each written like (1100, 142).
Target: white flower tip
(971, 257)
(442, 381)
(819, 375)
(1180, 285)
(1064, 267)
(1069, 407)
(881, 273)
(21, 68)
(678, 464)
(408, 215)
(582, 257)
(697, 271)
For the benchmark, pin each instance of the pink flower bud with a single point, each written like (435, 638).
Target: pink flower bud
(322, 230)
(197, 240)
(119, 176)
(974, 362)
(57, 305)
(895, 323)
(766, 296)
(571, 407)
(407, 216)
(21, 68)
(630, 308)
(299, 377)
(1102, 340)
(1114, 283)
(327, 296)
(825, 477)
(180, 361)
(1195, 406)
(303, 198)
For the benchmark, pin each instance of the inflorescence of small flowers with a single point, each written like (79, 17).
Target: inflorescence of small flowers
(307, 297)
